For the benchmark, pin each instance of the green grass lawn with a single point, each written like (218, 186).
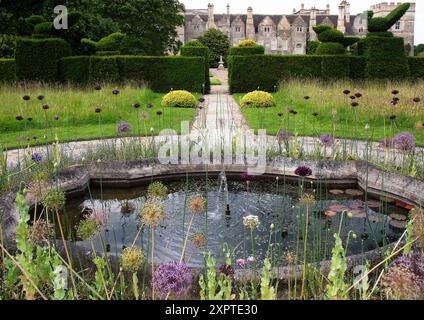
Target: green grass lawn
(216, 82)
(335, 113)
(77, 117)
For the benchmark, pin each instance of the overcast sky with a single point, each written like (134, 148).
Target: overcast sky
(286, 7)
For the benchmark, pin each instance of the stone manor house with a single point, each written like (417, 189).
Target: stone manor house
(289, 33)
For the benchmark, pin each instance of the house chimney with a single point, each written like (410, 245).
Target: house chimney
(347, 12)
(313, 23)
(211, 17)
(228, 9)
(250, 25)
(341, 19)
(328, 9)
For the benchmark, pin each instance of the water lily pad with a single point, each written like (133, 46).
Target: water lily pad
(336, 192)
(358, 213)
(357, 205)
(404, 205)
(338, 208)
(330, 213)
(398, 217)
(398, 224)
(354, 192)
(373, 204)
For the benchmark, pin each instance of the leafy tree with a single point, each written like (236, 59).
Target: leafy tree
(419, 49)
(218, 44)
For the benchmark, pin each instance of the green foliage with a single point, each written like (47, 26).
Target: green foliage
(330, 35)
(103, 70)
(194, 43)
(336, 67)
(336, 288)
(7, 46)
(268, 292)
(44, 28)
(218, 44)
(246, 51)
(199, 50)
(247, 73)
(75, 69)
(419, 49)
(312, 47)
(162, 74)
(179, 99)
(385, 57)
(381, 24)
(321, 28)
(330, 48)
(416, 65)
(37, 270)
(112, 42)
(213, 287)
(7, 70)
(38, 59)
(385, 34)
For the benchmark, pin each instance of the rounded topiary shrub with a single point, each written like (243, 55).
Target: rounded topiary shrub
(246, 43)
(331, 35)
(259, 99)
(377, 25)
(327, 48)
(179, 99)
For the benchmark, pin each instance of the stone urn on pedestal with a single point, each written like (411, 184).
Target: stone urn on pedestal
(221, 64)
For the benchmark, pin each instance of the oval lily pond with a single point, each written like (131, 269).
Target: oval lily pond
(282, 214)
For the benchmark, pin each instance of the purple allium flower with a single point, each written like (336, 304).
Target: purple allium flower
(395, 92)
(290, 109)
(40, 97)
(413, 262)
(394, 102)
(123, 127)
(354, 104)
(396, 99)
(358, 95)
(159, 113)
(227, 270)
(115, 92)
(240, 263)
(36, 157)
(19, 118)
(405, 141)
(392, 117)
(56, 117)
(280, 114)
(346, 92)
(172, 278)
(97, 87)
(26, 98)
(306, 97)
(136, 105)
(303, 171)
(45, 107)
(98, 110)
(326, 140)
(29, 119)
(294, 112)
(352, 97)
(284, 135)
(315, 114)
(416, 100)
(150, 106)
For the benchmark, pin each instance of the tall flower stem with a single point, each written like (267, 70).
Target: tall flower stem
(305, 247)
(153, 261)
(186, 239)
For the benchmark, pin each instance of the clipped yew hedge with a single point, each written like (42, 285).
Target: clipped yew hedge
(38, 59)
(248, 73)
(416, 67)
(161, 74)
(199, 51)
(246, 51)
(7, 70)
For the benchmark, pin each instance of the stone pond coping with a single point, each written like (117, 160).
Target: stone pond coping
(75, 180)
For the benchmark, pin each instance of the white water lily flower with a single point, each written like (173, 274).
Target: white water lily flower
(251, 221)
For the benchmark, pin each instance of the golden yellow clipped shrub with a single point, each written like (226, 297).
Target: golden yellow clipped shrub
(246, 43)
(260, 99)
(179, 99)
